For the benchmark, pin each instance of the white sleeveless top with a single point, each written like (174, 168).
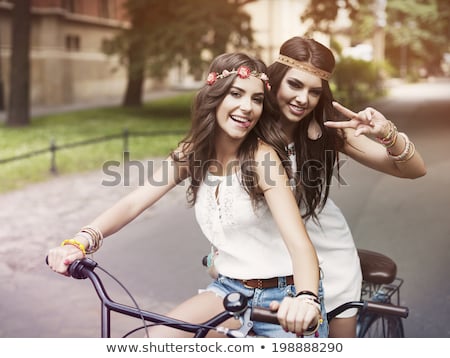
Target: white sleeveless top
(247, 240)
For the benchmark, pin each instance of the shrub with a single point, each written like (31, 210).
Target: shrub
(356, 81)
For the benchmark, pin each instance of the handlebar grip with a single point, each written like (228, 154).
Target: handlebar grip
(78, 268)
(261, 314)
(205, 261)
(388, 309)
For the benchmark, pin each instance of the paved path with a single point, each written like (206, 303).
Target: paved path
(36, 218)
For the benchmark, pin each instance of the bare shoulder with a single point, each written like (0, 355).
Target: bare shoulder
(270, 169)
(265, 152)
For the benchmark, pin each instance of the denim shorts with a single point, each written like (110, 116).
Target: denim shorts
(261, 298)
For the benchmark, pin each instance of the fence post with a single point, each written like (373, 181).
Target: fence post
(53, 150)
(126, 134)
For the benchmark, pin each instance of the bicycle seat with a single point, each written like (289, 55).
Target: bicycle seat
(377, 268)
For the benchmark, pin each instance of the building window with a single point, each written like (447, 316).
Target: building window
(107, 46)
(105, 9)
(69, 5)
(72, 43)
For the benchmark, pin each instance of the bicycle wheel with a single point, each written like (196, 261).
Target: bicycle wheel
(376, 326)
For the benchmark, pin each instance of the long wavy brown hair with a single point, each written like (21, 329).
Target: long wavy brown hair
(198, 150)
(316, 159)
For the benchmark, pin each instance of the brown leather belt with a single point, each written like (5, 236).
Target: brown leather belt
(267, 282)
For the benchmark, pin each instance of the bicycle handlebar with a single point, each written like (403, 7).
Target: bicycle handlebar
(387, 309)
(261, 314)
(84, 268)
(78, 270)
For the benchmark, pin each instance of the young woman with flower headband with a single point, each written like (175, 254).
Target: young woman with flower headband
(242, 203)
(314, 137)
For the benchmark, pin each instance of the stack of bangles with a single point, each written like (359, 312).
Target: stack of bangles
(389, 140)
(93, 236)
(313, 300)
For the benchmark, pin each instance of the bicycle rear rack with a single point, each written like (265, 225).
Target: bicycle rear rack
(386, 292)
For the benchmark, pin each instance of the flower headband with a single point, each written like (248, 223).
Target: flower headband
(242, 72)
(304, 66)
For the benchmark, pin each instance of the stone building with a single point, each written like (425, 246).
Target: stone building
(67, 61)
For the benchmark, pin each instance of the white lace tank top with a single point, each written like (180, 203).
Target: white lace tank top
(248, 241)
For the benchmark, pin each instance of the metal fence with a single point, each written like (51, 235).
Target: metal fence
(53, 148)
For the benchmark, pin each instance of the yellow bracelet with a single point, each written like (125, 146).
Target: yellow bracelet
(75, 243)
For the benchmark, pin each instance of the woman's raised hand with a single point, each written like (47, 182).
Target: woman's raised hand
(368, 121)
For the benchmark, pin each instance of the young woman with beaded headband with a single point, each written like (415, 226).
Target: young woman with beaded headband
(314, 138)
(243, 204)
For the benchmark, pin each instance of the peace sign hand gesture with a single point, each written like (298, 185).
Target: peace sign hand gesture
(368, 121)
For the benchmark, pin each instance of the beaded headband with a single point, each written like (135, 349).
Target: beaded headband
(304, 66)
(242, 72)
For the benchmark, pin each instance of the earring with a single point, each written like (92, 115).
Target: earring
(314, 130)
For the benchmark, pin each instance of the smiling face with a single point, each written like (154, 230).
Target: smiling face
(241, 108)
(298, 95)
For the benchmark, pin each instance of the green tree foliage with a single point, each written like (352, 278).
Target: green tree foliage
(321, 14)
(164, 34)
(417, 31)
(367, 86)
(418, 35)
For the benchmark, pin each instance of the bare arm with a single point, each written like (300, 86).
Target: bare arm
(273, 181)
(132, 205)
(367, 151)
(122, 213)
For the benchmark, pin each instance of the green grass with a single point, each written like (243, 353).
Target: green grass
(66, 128)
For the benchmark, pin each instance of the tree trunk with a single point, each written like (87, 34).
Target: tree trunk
(136, 76)
(19, 97)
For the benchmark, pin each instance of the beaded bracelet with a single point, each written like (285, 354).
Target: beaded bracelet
(312, 301)
(88, 238)
(407, 153)
(75, 243)
(306, 292)
(389, 139)
(94, 236)
(391, 143)
(310, 298)
(312, 330)
(412, 151)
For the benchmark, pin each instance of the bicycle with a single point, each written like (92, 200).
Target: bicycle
(235, 305)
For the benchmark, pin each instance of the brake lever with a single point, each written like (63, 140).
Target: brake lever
(246, 325)
(242, 332)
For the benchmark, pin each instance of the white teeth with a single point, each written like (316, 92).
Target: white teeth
(298, 107)
(239, 119)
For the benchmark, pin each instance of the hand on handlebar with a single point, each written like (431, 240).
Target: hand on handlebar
(60, 258)
(296, 316)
